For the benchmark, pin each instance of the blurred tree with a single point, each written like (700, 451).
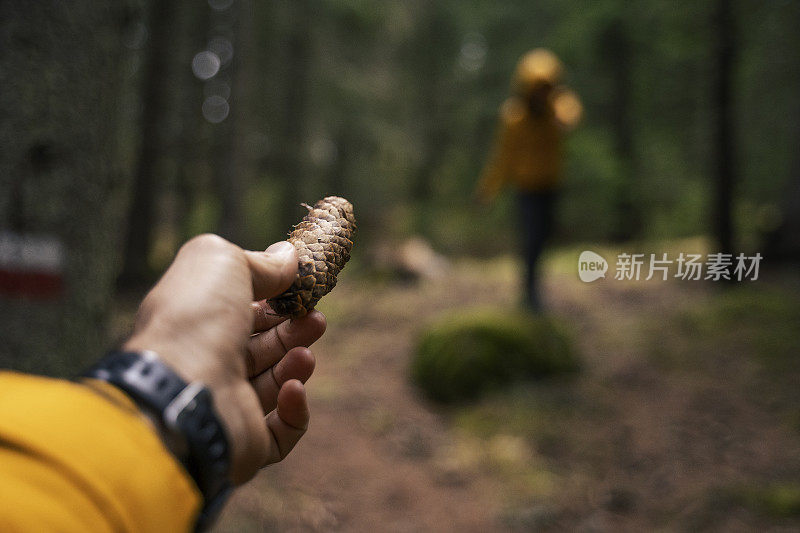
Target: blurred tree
(356, 104)
(62, 66)
(297, 60)
(141, 216)
(724, 172)
(783, 243)
(430, 62)
(191, 144)
(773, 82)
(230, 165)
(617, 51)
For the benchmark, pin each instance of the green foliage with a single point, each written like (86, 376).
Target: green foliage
(539, 414)
(396, 104)
(764, 318)
(261, 207)
(468, 353)
(777, 500)
(594, 179)
(460, 229)
(204, 215)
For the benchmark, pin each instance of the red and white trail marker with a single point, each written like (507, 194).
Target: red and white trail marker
(31, 265)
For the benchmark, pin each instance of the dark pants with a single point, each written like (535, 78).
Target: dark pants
(537, 210)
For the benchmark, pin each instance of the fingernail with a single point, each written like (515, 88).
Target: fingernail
(279, 249)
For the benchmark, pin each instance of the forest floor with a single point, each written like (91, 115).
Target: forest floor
(685, 416)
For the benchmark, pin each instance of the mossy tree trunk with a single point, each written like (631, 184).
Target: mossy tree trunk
(59, 80)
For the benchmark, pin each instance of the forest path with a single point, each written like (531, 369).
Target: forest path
(629, 444)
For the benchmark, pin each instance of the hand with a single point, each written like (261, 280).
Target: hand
(208, 320)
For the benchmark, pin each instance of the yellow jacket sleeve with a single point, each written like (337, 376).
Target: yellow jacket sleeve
(495, 174)
(75, 460)
(567, 108)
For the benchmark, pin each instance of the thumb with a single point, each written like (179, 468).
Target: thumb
(272, 270)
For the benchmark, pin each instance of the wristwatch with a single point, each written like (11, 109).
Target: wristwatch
(185, 412)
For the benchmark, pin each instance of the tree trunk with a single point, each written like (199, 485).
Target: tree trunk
(141, 213)
(292, 160)
(724, 173)
(230, 173)
(191, 145)
(619, 49)
(783, 243)
(429, 57)
(59, 83)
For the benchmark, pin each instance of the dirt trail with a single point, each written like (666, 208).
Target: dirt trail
(374, 458)
(639, 451)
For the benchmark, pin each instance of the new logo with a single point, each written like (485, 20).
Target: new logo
(591, 266)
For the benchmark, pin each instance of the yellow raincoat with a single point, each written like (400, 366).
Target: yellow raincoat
(528, 151)
(75, 458)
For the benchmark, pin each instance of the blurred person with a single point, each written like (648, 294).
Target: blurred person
(528, 154)
(207, 390)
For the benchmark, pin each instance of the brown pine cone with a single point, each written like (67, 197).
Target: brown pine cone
(323, 240)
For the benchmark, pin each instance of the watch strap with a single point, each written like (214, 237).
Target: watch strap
(187, 413)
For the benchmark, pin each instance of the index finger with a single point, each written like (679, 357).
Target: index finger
(264, 317)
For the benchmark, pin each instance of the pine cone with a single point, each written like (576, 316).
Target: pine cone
(323, 240)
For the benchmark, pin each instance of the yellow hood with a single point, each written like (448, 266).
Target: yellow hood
(536, 67)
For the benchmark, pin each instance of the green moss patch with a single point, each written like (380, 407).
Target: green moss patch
(463, 355)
